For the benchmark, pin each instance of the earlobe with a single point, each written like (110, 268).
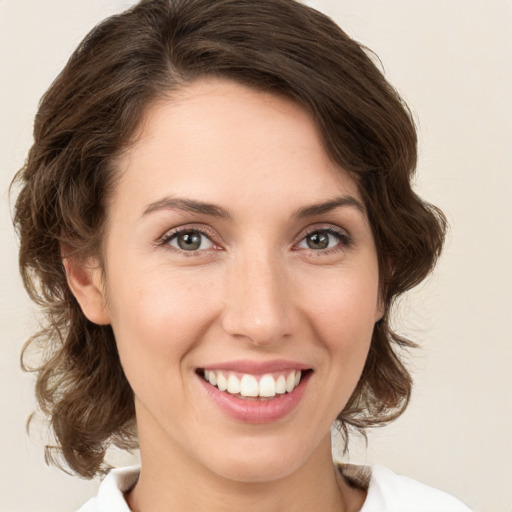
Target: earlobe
(85, 281)
(380, 310)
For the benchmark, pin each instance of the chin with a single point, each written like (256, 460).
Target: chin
(255, 471)
(255, 461)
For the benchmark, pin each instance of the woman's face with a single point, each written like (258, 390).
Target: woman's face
(237, 251)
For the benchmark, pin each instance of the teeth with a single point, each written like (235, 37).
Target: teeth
(267, 386)
(212, 378)
(233, 385)
(222, 382)
(281, 384)
(248, 386)
(290, 382)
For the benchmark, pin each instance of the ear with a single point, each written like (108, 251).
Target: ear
(85, 280)
(387, 269)
(380, 309)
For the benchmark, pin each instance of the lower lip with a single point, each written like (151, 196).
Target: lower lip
(256, 411)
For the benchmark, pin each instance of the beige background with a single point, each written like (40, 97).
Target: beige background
(451, 60)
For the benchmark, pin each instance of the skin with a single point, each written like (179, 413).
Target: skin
(254, 290)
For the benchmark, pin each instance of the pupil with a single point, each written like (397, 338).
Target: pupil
(189, 241)
(318, 240)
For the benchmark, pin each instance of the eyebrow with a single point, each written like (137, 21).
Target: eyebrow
(329, 206)
(187, 205)
(194, 206)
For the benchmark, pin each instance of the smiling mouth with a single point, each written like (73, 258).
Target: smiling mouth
(254, 387)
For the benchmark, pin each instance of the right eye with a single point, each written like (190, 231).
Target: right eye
(189, 240)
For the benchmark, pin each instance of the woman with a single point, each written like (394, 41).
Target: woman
(217, 215)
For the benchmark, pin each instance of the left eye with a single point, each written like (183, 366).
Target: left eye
(190, 241)
(320, 240)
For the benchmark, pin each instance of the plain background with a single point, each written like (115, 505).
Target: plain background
(451, 61)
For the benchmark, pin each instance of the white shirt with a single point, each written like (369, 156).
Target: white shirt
(387, 492)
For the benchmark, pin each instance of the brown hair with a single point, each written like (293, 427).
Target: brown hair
(88, 117)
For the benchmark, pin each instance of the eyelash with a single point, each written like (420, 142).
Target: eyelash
(166, 239)
(344, 240)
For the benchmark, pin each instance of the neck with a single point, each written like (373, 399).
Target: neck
(174, 482)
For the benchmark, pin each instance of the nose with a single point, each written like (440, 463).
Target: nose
(258, 305)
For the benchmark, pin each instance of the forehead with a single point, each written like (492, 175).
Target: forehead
(222, 112)
(218, 140)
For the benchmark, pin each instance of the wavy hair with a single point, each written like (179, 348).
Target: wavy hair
(88, 118)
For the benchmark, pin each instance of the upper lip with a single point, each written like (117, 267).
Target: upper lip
(257, 367)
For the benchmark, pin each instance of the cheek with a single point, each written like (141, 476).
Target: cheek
(345, 302)
(162, 303)
(343, 314)
(157, 319)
